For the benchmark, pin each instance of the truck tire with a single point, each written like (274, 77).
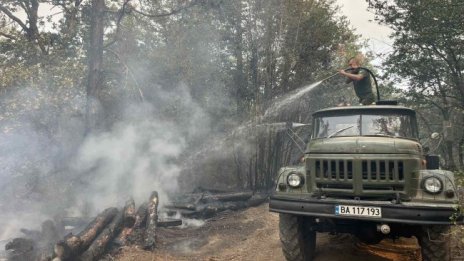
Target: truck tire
(297, 237)
(435, 243)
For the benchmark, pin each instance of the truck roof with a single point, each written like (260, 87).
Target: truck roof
(381, 109)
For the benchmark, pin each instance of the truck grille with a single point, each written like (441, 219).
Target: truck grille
(372, 176)
(376, 170)
(334, 169)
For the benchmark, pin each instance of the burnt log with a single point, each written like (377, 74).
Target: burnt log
(141, 216)
(74, 245)
(236, 205)
(129, 213)
(129, 221)
(68, 248)
(184, 212)
(96, 226)
(136, 234)
(181, 205)
(152, 222)
(123, 238)
(205, 205)
(99, 245)
(207, 210)
(20, 249)
(257, 199)
(48, 236)
(169, 222)
(192, 200)
(62, 251)
(231, 196)
(211, 209)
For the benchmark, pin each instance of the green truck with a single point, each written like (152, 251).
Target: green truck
(364, 172)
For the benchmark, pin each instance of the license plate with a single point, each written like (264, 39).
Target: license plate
(358, 211)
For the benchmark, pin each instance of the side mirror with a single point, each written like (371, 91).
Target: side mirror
(435, 135)
(433, 161)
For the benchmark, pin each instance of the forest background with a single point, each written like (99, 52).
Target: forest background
(101, 100)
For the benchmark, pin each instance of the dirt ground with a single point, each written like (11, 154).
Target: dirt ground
(253, 235)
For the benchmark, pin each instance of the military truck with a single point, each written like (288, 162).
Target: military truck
(364, 172)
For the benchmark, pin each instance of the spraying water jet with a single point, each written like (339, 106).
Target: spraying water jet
(278, 126)
(293, 96)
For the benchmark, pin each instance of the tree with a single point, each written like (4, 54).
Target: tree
(428, 50)
(95, 60)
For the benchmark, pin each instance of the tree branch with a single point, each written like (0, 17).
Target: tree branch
(118, 23)
(9, 36)
(13, 17)
(172, 12)
(128, 70)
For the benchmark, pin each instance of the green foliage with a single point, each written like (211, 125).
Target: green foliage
(248, 52)
(428, 47)
(428, 44)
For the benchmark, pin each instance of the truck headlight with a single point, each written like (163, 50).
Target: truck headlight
(295, 180)
(432, 185)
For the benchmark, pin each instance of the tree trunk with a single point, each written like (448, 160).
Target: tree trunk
(449, 141)
(95, 59)
(461, 153)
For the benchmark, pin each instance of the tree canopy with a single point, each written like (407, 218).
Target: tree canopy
(428, 57)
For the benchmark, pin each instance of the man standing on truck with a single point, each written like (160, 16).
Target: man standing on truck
(361, 81)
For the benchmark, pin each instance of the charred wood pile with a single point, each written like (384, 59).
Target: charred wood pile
(115, 227)
(205, 204)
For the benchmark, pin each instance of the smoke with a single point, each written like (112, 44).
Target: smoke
(141, 152)
(138, 155)
(49, 167)
(37, 135)
(186, 222)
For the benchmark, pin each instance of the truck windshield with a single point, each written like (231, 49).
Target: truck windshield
(364, 125)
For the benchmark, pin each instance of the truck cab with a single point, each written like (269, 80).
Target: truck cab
(365, 173)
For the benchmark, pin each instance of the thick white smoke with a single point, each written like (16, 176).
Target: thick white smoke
(37, 135)
(141, 152)
(50, 167)
(132, 159)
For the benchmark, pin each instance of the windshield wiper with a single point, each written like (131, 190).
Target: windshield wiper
(340, 131)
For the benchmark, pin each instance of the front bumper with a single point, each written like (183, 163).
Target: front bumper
(406, 213)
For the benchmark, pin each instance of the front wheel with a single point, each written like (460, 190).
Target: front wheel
(435, 243)
(297, 237)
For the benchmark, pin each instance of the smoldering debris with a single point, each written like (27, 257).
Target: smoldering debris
(111, 229)
(93, 241)
(138, 153)
(205, 204)
(50, 167)
(127, 162)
